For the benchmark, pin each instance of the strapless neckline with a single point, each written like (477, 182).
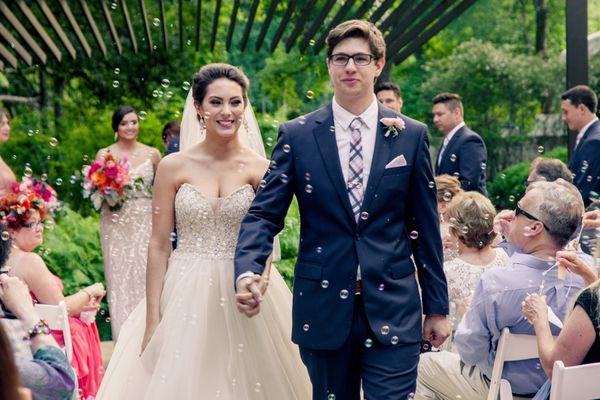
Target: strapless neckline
(239, 189)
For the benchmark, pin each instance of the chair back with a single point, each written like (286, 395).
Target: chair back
(57, 318)
(579, 382)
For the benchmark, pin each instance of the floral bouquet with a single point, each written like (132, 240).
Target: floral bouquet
(107, 180)
(33, 187)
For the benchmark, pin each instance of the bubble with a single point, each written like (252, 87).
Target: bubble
(307, 176)
(302, 120)
(14, 156)
(483, 166)
(431, 184)
(410, 396)
(369, 343)
(385, 330)
(155, 93)
(284, 178)
(115, 84)
(188, 42)
(511, 198)
(73, 179)
(59, 182)
(319, 249)
(287, 148)
(173, 236)
(30, 132)
(447, 196)
(53, 142)
(169, 94)
(311, 42)
(269, 141)
(453, 157)
(27, 172)
(464, 230)
(5, 235)
(114, 218)
(143, 115)
(394, 340)
(324, 283)
(589, 178)
(364, 215)
(540, 149)
(262, 184)
(165, 83)
(381, 287)
(502, 176)
(156, 22)
(305, 327)
(332, 128)
(107, 320)
(44, 177)
(310, 94)
(309, 189)
(414, 235)
(186, 85)
(344, 294)
(113, 5)
(331, 396)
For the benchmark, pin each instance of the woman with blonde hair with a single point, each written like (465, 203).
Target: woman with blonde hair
(446, 188)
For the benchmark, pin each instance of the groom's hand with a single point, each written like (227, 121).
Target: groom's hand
(248, 295)
(436, 329)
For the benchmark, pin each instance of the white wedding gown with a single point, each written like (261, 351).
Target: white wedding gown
(203, 348)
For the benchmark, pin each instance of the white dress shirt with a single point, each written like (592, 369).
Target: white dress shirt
(447, 139)
(583, 131)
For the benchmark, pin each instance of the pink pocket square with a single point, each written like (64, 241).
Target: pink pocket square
(399, 161)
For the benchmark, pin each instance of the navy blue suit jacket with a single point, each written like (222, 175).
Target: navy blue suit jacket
(469, 155)
(585, 163)
(332, 245)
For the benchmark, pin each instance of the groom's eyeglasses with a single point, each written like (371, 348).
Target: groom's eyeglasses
(520, 211)
(341, 60)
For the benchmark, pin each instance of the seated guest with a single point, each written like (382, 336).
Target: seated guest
(170, 137)
(446, 188)
(389, 95)
(41, 365)
(549, 170)
(23, 214)
(578, 342)
(546, 217)
(470, 217)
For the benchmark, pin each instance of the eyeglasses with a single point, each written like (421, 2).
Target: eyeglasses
(341, 59)
(30, 225)
(520, 211)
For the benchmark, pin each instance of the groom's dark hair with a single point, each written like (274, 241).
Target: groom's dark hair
(581, 94)
(356, 28)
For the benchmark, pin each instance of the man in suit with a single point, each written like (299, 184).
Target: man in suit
(579, 112)
(389, 94)
(366, 206)
(463, 153)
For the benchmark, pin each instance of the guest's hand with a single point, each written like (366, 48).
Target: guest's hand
(436, 329)
(96, 291)
(14, 293)
(575, 264)
(535, 309)
(502, 221)
(248, 295)
(591, 219)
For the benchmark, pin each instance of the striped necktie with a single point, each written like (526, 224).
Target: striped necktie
(355, 176)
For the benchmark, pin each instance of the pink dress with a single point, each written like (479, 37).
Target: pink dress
(87, 353)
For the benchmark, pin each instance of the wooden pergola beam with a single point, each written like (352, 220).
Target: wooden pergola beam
(8, 56)
(75, 26)
(92, 24)
(39, 29)
(129, 26)
(57, 28)
(345, 9)
(213, 36)
(14, 21)
(146, 25)
(383, 7)
(14, 43)
(181, 38)
(401, 34)
(394, 17)
(249, 24)
(111, 27)
(300, 22)
(283, 24)
(232, 21)
(163, 23)
(362, 10)
(316, 24)
(198, 23)
(266, 24)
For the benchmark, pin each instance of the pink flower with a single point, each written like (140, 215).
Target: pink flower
(393, 125)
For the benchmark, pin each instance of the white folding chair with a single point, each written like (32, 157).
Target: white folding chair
(57, 318)
(575, 383)
(511, 347)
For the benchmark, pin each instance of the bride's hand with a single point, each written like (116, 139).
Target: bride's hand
(150, 328)
(263, 283)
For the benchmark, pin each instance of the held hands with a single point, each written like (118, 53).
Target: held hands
(436, 329)
(535, 309)
(249, 294)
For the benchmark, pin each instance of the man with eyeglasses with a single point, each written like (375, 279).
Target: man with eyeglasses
(544, 221)
(361, 187)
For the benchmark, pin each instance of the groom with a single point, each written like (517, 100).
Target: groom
(367, 203)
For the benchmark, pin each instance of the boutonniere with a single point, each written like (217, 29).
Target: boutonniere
(394, 125)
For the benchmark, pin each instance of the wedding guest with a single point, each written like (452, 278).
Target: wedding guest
(23, 214)
(170, 137)
(447, 187)
(470, 216)
(462, 153)
(546, 217)
(579, 106)
(7, 176)
(548, 169)
(124, 234)
(389, 94)
(9, 378)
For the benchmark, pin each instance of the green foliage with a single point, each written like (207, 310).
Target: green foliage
(509, 185)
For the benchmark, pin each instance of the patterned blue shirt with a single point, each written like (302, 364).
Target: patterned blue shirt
(496, 304)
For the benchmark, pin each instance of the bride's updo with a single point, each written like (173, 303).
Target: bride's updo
(211, 72)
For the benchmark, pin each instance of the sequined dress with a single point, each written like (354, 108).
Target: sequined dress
(124, 236)
(203, 348)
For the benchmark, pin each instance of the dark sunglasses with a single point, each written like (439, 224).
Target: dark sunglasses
(520, 211)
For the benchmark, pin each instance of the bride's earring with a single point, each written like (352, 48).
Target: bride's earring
(201, 122)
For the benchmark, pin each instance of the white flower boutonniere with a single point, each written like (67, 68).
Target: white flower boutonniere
(394, 125)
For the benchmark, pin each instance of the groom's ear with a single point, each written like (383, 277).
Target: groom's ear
(380, 63)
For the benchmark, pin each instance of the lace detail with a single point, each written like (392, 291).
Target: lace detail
(209, 226)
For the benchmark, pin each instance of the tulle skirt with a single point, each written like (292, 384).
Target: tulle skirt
(203, 348)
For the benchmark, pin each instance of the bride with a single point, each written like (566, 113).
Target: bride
(194, 343)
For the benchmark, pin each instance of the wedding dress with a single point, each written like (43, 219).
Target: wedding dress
(203, 348)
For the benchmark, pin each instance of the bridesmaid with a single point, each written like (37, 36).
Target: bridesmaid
(7, 177)
(124, 234)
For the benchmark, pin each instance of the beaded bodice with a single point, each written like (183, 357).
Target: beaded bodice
(145, 171)
(209, 226)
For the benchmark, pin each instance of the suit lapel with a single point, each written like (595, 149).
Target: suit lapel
(325, 138)
(381, 155)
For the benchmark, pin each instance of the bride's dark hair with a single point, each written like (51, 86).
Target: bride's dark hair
(211, 72)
